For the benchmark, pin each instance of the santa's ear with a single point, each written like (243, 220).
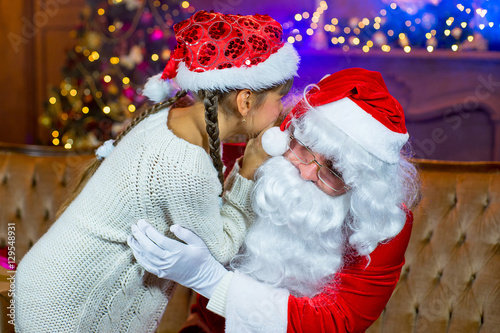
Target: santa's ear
(244, 101)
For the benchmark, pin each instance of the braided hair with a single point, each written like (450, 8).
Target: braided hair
(95, 163)
(211, 102)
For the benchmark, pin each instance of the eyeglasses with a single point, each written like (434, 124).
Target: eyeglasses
(325, 174)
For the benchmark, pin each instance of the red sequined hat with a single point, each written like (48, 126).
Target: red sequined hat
(224, 52)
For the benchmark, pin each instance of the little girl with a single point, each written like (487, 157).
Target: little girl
(166, 168)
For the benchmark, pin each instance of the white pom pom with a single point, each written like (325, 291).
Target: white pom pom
(105, 149)
(275, 142)
(158, 90)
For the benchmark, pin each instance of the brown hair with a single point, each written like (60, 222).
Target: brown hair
(95, 163)
(212, 99)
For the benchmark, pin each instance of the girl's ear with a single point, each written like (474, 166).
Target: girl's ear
(244, 101)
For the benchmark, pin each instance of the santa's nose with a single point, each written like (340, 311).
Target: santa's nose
(309, 171)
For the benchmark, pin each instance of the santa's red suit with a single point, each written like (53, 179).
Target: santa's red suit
(350, 303)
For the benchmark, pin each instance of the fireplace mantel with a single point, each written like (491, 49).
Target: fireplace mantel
(449, 91)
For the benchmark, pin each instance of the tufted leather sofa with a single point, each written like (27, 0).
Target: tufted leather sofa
(450, 282)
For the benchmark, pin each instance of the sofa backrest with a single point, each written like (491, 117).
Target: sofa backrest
(449, 283)
(34, 182)
(451, 279)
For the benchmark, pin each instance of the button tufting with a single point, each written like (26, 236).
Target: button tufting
(461, 240)
(4, 180)
(429, 236)
(18, 213)
(454, 201)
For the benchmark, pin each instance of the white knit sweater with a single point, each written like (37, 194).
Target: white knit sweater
(82, 277)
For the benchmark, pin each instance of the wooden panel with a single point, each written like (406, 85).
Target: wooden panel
(15, 89)
(34, 35)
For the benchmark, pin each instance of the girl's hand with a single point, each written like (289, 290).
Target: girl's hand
(254, 156)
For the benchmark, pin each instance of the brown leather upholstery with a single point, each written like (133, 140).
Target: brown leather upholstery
(451, 279)
(450, 282)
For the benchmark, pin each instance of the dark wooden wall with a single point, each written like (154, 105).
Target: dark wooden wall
(34, 35)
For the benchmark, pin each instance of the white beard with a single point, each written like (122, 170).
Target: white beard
(297, 241)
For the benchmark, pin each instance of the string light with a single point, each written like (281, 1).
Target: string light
(419, 22)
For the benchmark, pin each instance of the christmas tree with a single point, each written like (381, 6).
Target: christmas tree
(120, 43)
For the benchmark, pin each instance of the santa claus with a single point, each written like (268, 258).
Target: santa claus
(332, 220)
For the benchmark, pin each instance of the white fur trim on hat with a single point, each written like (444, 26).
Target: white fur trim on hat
(361, 127)
(274, 141)
(278, 68)
(159, 90)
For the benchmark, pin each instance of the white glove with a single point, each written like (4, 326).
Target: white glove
(190, 264)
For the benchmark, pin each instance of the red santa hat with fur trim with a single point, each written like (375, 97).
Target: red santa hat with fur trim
(225, 52)
(357, 102)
